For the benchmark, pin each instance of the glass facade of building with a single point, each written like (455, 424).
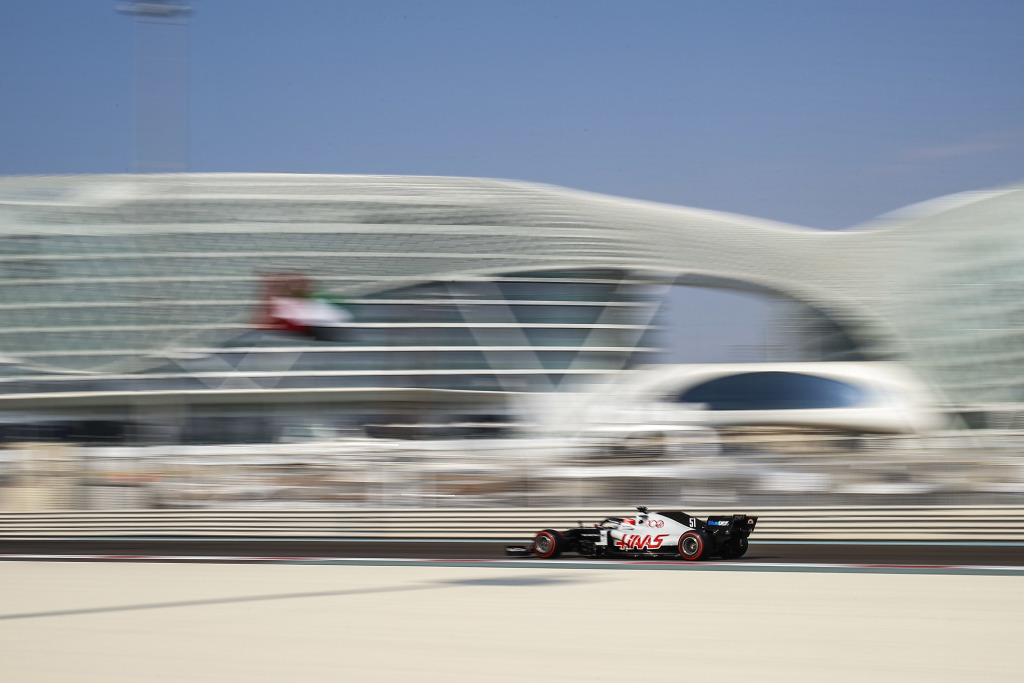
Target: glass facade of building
(118, 292)
(124, 291)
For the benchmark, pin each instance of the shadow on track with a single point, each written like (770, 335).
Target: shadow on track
(218, 601)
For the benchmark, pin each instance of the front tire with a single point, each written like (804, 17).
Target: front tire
(694, 546)
(548, 544)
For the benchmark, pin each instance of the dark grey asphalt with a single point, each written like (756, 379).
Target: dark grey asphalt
(759, 552)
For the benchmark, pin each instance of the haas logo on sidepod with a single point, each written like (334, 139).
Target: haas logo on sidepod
(638, 542)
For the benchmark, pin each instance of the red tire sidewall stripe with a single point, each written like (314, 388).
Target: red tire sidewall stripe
(700, 545)
(554, 544)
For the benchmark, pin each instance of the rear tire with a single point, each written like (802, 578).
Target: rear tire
(734, 549)
(548, 544)
(694, 546)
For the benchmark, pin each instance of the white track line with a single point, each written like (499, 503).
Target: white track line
(532, 563)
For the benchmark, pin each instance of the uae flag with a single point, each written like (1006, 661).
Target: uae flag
(290, 306)
(314, 317)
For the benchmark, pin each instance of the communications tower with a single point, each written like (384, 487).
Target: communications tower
(161, 84)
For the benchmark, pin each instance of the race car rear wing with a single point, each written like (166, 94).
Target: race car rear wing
(737, 524)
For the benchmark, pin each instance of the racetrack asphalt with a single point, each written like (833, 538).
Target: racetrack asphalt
(220, 550)
(384, 621)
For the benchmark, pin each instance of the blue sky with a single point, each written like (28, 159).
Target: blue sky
(818, 113)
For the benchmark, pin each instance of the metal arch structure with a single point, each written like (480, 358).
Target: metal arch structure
(111, 275)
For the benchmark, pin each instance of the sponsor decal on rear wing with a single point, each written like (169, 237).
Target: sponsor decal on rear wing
(738, 522)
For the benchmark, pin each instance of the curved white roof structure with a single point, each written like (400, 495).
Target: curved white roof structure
(106, 277)
(856, 397)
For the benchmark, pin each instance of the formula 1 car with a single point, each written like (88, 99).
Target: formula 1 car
(665, 533)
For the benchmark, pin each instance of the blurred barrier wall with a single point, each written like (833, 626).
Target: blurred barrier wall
(843, 523)
(750, 470)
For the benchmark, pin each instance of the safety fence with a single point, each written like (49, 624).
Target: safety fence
(836, 523)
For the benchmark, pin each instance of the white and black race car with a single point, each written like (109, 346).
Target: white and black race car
(664, 533)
